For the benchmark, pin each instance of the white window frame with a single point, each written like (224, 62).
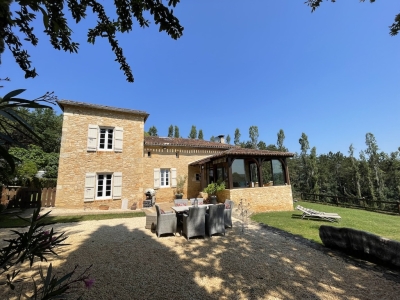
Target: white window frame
(94, 134)
(160, 182)
(106, 139)
(104, 186)
(165, 181)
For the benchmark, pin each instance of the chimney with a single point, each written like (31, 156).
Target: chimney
(221, 138)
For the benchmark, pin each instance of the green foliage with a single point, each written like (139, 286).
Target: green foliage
(214, 187)
(171, 131)
(30, 245)
(180, 184)
(200, 136)
(153, 131)
(236, 140)
(290, 221)
(12, 120)
(7, 221)
(193, 132)
(26, 171)
(261, 145)
(57, 26)
(48, 125)
(228, 139)
(253, 134)
(36, 159)
(176, 132)
(212, 138)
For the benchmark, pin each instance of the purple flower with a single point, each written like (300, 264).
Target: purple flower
(88, 282)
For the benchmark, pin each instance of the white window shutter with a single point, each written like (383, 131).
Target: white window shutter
(117, 185)
(156, 178)
(90, 184)
(173, 177)
(119, 134)
(92, 137)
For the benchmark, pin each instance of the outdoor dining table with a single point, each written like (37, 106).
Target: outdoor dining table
(181, 209)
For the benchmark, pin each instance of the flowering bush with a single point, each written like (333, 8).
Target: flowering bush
(38, 243)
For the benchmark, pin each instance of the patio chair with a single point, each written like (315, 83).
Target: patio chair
(181, 202)
(228, 212)
(166, 222)
(311, 213)
(200, 201)
(215, 219)
(194, 222)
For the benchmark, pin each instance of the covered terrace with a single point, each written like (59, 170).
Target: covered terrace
(259, 176)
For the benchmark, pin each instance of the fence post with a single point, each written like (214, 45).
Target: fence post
(398, 204)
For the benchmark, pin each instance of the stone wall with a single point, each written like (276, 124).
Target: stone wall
(76, 161)
(167, 158)
(262, 199)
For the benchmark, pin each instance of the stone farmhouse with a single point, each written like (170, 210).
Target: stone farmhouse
(106, 159)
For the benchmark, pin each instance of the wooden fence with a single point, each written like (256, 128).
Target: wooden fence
(24, 197)
(380, 206)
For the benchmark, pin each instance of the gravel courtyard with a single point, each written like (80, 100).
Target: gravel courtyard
(130, 262)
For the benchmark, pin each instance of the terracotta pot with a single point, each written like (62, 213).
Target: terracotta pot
(178, 196)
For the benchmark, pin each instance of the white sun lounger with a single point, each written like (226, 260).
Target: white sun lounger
(311, 213)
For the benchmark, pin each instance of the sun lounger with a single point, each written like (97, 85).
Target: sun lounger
(311, 213)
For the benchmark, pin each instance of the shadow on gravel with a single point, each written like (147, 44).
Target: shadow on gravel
(259, 263)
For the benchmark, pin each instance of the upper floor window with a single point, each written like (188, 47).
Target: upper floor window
(101, 138)
(106, 138)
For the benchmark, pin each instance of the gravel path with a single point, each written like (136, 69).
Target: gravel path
(130, 262)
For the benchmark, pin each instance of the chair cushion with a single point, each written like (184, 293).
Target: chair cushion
(227, 206)
(162, 211)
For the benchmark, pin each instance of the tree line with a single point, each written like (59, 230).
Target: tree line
(370, 174)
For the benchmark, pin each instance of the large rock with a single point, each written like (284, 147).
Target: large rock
(362, 244)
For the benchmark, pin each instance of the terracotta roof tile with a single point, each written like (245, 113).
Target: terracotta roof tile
(195, 143)
(243, 152)
(63, 103)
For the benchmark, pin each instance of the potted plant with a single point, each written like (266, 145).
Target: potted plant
(180, 183)
(212, 189)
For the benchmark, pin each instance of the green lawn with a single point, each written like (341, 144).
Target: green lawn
(7, 221)
(290, 221)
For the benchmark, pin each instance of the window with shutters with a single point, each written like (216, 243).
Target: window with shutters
(164, 178)
(101, 186)
(102, 138)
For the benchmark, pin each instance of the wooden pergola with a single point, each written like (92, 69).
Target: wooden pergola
(220, 166)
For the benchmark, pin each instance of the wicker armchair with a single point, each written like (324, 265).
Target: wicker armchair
(228, 212)
(194, 222)
(215, 220)
(166, 222)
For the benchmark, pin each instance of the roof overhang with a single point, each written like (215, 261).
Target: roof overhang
(242, 153)
(64, 103)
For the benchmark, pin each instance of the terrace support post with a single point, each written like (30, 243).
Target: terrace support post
(229, 165)
(287, 177)
(260, 178)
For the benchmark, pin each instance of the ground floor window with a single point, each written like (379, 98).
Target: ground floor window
(104, 186)
(164, 177)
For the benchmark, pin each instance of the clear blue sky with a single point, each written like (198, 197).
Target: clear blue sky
(333, 74)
